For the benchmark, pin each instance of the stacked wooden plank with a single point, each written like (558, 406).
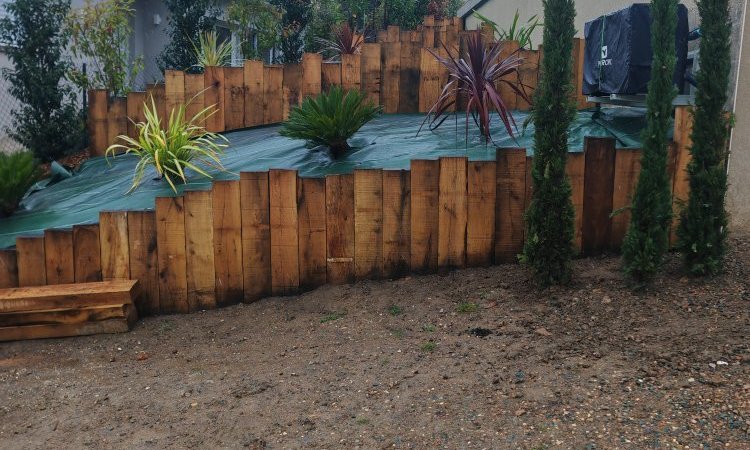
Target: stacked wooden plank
(67, 310)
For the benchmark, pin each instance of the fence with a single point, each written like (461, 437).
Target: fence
(397, 72)
(274, 233)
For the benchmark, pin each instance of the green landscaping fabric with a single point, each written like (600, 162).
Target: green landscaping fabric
(388, 142)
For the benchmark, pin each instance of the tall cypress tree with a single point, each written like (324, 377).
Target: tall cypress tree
(549, 219)
(702, 230)
(647, 239)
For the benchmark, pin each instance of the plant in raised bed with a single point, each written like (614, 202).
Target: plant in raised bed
(520, 33)
(210, 52)
(345, 41)
(549, 219)
(18, 172)
(478, 79)
(703, 226)
(183, 144)
(330, 119)
(647, 239)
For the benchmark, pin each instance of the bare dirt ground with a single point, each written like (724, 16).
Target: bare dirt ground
(473, 359)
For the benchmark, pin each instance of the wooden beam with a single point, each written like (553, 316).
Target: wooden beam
(284, 237)
(256, 235)
(170, 240)
(227, 223)
(340, 228)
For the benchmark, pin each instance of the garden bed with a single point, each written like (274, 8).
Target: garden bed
(401, 364)
(388, 142)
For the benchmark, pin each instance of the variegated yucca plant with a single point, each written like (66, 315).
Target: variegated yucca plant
(183, 144)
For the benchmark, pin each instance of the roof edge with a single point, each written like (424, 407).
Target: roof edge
(469, 6)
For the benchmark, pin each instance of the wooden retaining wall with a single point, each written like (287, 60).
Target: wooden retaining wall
(275, 233)
(397, 72)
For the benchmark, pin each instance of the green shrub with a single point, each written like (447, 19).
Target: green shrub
(47, 120)
(703, 228)
(210, 52)
(18, 172)
(330, 119)
(549, 219)
(647, 239)
(185, 144)
(185, 21)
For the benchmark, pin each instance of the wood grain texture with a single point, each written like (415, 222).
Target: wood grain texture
(425, 185)
(58, 255)
(292, 88)
(311, 207)
(63, 316)
(340, 228)
(174, 89)
(64, 330)
(528, 75)
(117, 119)
(87, 253)
(351, 75)
(391, 63)
(370, 66)
(408, 101)
(480, 227)
(627, 170)
(396, 223)
(113, 242)
(195, 97)
(598, 191)
(234, 98)
(256, 235)
(311, 74)
(199, 248)
(452, 213)
(368, 224)
(508, 95)
(253, 73)
(8, 269)
(135, 105)
(144, 259)
(45, 298)
(575, 169)
(97, 121)
(227, 223)
(158, 93)
(430, 83)
(31, 261)
(213, 81)
(330, 75)
(170, 239)
(510, 204)
(284, 236)
(273, 99)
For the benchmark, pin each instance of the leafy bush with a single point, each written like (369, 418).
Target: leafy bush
(647, 239)
(98, 32)
(185, 144)
(330, 119)
(294, 21)
(47, 121)
(703, 228)
(519, 33)
(258, 25)
(186, 20)
(18, 172)
(478, 80)
(210, 52)
(549, 219)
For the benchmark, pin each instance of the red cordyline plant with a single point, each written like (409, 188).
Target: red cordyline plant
(478, 80)
(346, 41)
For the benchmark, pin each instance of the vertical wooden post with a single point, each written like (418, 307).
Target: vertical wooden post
(579, 46)
(409, 78)
(213, 81)
(452, 213)
(393, 33)
(425, 184)
(391, 76)
(227, 223)
(97, 121)
(528, 76)
(113, 238)
(371, 72)
(430, 86)
(368, 223)
(170, 240)
(195, 97)
(480, 228)
(683, 130)
(311, 74)
(234, 98)
(508, 95)
(253, 93)
(135, 105)
(284, 236)
(117, 119)
(598, 189)
(330, 75)
(199, 249)
(292, 88)
(58, 255)
(87, 254)
(396, 223)
(311, 207)
(174, 90)
(273, 99)
(575, 169)
(8, 269)
(627, 170)
(144, 259)
(511, 200)
(158, 93)
(351, 72)
(31, 261)
(256, 235)
(340, 228)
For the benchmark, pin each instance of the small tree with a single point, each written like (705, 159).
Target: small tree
(293, 24)
(48, 121)
(257, 23)
(703, 228)
(549, 219)
(647, 239)
(187, 19)
(99, 32)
